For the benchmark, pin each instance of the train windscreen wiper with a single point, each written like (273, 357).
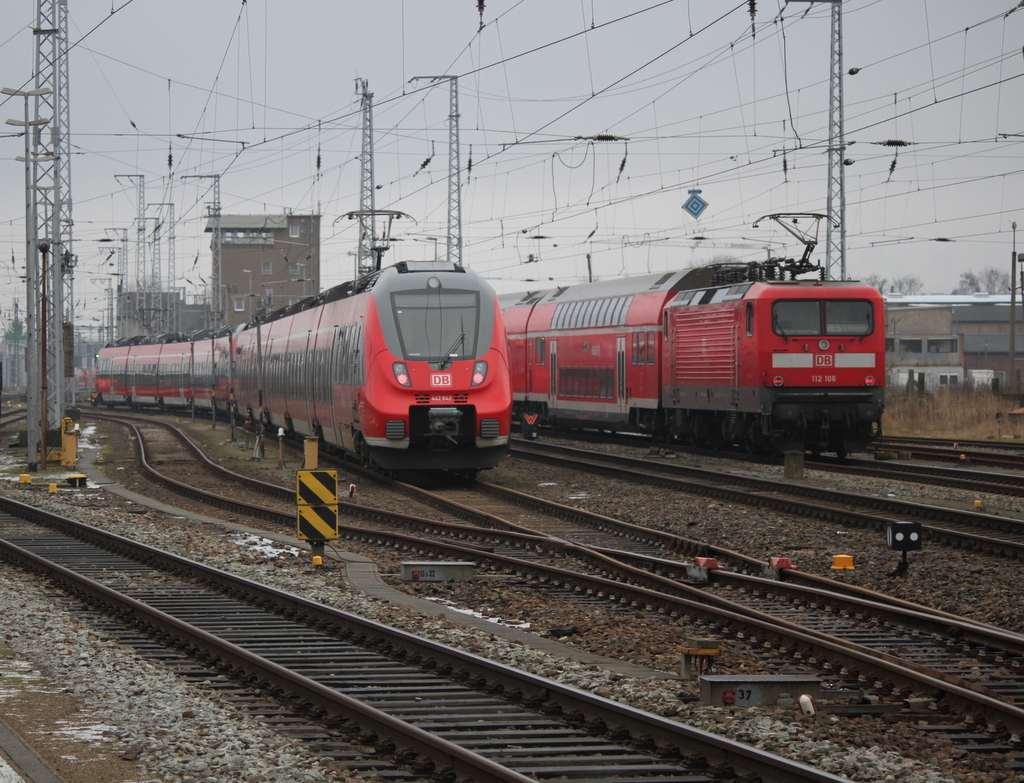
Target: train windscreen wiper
(460, 343)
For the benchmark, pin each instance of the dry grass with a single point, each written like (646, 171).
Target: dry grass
(956, 414)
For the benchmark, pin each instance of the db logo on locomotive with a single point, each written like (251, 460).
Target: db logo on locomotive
(440, 379)
(822, 360)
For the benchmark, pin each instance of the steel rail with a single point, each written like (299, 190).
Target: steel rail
(639, 585)
(784, 496)
(593, 709)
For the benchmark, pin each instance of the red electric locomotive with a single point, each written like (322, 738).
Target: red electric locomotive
(726, 354)
(406, 368)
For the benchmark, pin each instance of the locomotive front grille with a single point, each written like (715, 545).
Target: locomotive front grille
(395, 429)
(458, 399)
(490, 428)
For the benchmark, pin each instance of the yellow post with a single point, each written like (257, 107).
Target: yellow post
(69, 444)
(311, 453)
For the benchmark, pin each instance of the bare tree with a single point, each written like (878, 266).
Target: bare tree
(876, 281)
(995, 281)
(989, 281)
(907, 284)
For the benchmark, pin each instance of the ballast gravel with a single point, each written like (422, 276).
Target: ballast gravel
(174, 731)
(179, 732)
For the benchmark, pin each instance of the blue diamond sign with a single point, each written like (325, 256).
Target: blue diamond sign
(695, 205)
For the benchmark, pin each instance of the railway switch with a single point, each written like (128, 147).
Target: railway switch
(698, 571)
(775, 565)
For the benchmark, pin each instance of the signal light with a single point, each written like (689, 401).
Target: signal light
(777, 380)
(479, 373)
(401, 374)
(869, 381)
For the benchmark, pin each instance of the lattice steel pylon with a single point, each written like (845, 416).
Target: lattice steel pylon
(216, 310)
(164, 276)
(835, 229)
(367, 200)
(454, 185)
(52, 164)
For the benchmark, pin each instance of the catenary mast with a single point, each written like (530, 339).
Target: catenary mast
(835, 226)
(52, 184)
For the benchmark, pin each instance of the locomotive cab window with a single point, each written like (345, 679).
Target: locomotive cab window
(848, 317)
(812, 317)
(437, 325)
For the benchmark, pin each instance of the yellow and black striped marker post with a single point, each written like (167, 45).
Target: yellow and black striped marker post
(316, 496)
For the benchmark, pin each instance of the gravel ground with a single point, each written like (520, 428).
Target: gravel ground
(176, 732)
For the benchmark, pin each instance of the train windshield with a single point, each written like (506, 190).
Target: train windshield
(437, 325)
(829, 317)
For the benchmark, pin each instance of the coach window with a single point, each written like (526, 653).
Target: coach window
(650, 348)
(750, 319)
(577, 315)
(584, 320)
(539, 354)
(619, 313)
(602, 313)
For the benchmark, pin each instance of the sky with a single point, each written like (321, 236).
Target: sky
(584, 128)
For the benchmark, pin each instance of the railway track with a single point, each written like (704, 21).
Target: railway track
(805, 624)
(989, 533)
(1006, 456)
(434, 710)
(1006, 481)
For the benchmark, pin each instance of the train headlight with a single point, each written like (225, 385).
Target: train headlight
(401, 374)
(777, 380)
(479, 373)
(869, 380)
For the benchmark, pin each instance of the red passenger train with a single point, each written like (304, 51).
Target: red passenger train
(407, 369)
(726, 354)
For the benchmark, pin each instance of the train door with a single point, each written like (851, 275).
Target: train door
(621, 387)
(332, 381)
(553, 370)
(734, 369)
(307, 386)
(129, 377)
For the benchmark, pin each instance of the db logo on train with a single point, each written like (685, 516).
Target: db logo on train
(822, 360)
(440, 379)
